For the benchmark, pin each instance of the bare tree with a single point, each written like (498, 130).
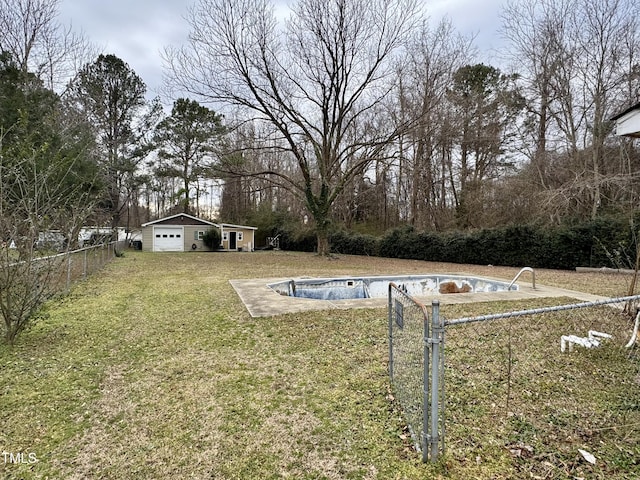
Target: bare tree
(43, 188)
(605, 31)
(427, 74)
(537, 30)
(24, 25)
(39, 43)
(316, 83)
(577, 60)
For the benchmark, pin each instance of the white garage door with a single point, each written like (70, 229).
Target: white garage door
(168, 239)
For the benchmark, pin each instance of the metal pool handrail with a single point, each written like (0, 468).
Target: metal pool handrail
(525, 269)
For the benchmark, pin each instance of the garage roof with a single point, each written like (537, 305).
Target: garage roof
(230, 225)
(186, 219)
(180, 219)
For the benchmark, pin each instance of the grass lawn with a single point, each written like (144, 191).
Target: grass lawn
(154, 369)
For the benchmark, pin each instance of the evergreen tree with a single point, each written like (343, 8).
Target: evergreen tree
(112, 96)
(186, 142)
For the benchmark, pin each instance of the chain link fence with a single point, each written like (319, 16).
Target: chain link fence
(556, 390)
(550, 391)
(68, 267)
(27, 282)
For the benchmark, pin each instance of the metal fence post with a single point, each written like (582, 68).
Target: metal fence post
(68, 271)
(426, 439)
(437, 331)
(390, 315)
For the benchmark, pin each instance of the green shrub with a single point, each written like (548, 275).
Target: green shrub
(350, 243)
(400, 243)
(212, 238)
(431, 246)
(298, 240)
(458, 248)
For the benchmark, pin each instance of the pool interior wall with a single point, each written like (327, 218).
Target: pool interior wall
(350, 288)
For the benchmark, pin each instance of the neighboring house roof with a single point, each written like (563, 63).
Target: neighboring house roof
(180, 219)
(630, 109)
(628, 122)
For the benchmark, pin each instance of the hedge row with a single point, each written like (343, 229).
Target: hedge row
(347, 243)
(604, 242)
(592, 244)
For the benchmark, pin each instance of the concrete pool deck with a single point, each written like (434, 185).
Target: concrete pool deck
(262, 301)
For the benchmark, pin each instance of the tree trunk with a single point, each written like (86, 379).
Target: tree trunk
(323, 242)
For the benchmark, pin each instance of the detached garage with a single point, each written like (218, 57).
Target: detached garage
(184, 233)
(177, 233)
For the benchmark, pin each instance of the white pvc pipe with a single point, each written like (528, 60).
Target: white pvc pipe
(634, 335)
(570, 340)
(594, 334)
(593, 340)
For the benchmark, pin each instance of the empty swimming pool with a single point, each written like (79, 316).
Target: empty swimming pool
(350, 288)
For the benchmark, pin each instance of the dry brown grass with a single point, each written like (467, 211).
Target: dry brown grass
(156, 370)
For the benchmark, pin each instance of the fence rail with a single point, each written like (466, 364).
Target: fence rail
(536, 311)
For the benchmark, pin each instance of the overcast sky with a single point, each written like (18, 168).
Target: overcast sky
(137, 30)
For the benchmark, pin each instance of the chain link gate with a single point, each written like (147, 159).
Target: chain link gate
(416, 367)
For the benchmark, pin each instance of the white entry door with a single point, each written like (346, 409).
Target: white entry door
(168, 239)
